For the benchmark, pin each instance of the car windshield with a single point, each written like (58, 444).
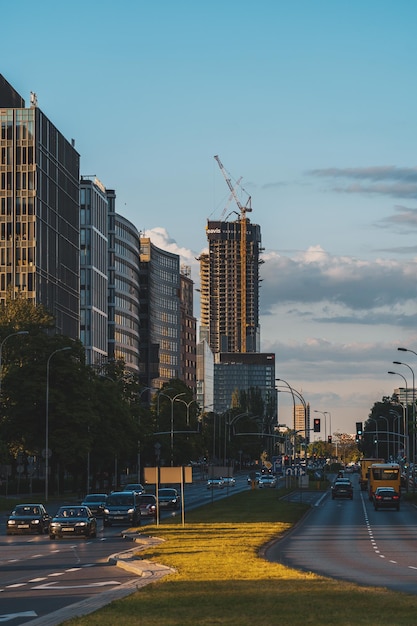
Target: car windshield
(72, 512)
(26, 510)
(168, 492)
(147, 499)
(120, 500)
(95, 498)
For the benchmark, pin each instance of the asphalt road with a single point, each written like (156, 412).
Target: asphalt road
(41, 579)
(349, 540)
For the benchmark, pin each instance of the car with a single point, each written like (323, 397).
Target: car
(96, 503)
(215, 483)
(147, 505)
(28, 518)
(70, 521)
(267, 480)
(342, 488)
(387, 498)
(137, 487)
(122, 507)
(229, 481)
(169, 498)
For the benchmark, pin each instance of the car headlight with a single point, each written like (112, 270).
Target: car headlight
(106, 511)
(130, 511)
(35, 521)
(82, 524)
(11, 522)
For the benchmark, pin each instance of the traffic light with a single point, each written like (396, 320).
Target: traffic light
(359, 429)
(317, 425)
(329, 439)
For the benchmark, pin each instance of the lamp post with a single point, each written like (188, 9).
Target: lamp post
(20, 332)
(406, 436)
(187, 404)
(47, 419)
(172, 400)
(413, 413)
(294, 393)
(138, 454)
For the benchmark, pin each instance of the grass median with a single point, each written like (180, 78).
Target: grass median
(221, 578)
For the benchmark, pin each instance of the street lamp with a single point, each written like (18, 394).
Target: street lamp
(406, 435)
(306, 431)
(172, 400)
(47, 419)
(20, 332)
(138, 454)
(187, 404)
(414, 404)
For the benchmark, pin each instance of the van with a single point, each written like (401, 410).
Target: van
(122, 507)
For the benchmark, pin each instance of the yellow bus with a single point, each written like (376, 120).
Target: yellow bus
(383, 475)
(364, 467)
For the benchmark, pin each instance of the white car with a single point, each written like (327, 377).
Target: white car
(215, 483)
(267, 480)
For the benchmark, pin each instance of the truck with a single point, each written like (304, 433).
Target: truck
(363, 475)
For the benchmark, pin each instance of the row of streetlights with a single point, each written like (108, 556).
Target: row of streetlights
(405, 408)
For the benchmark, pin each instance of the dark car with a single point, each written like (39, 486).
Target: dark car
(72, 521)
(96, 503)
(137, 487)
(147, 505)
(386, 498)
(28, 518)
(122, 507)
(342, 488)
(169, 499)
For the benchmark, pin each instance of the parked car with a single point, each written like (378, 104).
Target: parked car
(215, 483)
(342, 488)
(28, 518)
(137, 487)
(386, 498)
(96, 503)
(169, 498)
(72, 521)
(122, 507)
(147, 505)
(229, 481)
(267, 480)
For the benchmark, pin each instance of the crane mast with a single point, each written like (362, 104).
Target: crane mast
(243, 251)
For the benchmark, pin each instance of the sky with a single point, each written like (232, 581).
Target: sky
(310, 105)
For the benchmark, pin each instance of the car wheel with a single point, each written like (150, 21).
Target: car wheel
(51, 536)
(106, 523)
(93, 534)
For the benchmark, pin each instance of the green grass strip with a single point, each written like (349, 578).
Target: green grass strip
(221, 577)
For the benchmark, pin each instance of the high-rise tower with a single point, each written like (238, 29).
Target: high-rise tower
(230, 287)
(39, 211)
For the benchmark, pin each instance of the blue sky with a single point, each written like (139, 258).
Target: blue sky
(313, 104)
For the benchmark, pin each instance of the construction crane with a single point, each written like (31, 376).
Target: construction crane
(243, 228)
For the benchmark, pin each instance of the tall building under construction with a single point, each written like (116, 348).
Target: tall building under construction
(229, 276)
